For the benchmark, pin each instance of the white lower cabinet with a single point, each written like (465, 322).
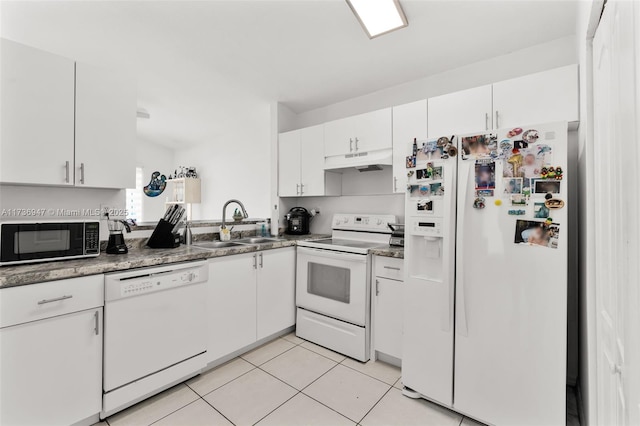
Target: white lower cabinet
(387, 312)
(250, 297)
(231, 307)
(275, 288)
(51, 352)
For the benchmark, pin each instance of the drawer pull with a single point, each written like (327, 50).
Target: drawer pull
(391, 267)
(57, 299)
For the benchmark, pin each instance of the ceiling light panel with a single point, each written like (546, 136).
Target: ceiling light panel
(378, 17)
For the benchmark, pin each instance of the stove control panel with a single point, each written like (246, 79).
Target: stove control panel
(363, 222)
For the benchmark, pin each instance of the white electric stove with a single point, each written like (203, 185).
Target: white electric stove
(333, 283)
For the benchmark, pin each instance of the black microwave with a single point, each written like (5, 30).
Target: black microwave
(28, 242)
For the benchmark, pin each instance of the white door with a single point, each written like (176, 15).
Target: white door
(106, 103)
(387, 324)
(373, 131)
(511, 318)
(52, 370)
(333, 284)
(312, 161)
(276, 290)
(289, 164)
(542, 97)
(460, 112)
(409, 122)
(36, 134)
(338, 137)
(231, 304)
(616, 109)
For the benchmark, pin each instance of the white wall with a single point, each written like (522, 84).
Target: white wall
(537, 58)
(241, 170)
(154, 157)
(42, 197)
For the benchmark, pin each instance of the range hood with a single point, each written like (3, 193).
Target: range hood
(363, 161)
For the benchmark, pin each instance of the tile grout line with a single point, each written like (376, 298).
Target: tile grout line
(374, 405)
(173, 412)
(369, 375)
(226, 383)
(217, 411)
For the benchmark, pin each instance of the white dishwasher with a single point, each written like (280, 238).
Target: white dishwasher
(154, 331)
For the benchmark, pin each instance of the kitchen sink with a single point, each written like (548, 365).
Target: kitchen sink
(257, 240)
(216, 244)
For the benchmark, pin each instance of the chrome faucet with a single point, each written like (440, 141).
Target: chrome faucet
(224, 211)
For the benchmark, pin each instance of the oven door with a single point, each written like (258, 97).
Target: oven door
(333, 283)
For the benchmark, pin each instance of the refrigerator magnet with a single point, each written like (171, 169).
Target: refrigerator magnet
(485, 174)
(425, 206)
(514, 132)
(498, 202)
(540, 210)
(530, 136)
(554, 203)
(484, 192)
(537, 233)
(479, 203)
(544, 186)
(411, 162)
(518, 212)
(512, 185)
(519, 200)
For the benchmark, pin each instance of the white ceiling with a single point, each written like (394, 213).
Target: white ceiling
(205, 67)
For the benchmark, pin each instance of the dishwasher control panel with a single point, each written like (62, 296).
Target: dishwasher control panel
(150, 280)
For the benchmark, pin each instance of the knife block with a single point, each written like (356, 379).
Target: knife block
(163, 236)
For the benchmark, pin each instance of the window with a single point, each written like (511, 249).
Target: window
(134, 198)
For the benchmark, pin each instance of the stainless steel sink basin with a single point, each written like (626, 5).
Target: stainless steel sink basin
(216, 244)
(257, 240)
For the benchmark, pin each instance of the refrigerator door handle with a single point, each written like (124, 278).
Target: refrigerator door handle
(463, 185)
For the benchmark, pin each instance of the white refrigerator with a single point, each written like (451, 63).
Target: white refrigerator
(503, 362)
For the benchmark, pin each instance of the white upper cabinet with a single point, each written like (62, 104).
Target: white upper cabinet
(289, 164)
(409, 122)
(64, 123)
(373, 131)
(301, 165)
(314, 181)
(537, 98)
(460, 112)
(358, 134)
(36, 119)
(106, 103)
(338, 137)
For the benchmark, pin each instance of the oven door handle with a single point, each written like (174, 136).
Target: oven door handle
(330, 254)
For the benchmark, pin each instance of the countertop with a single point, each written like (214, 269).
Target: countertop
(138, 257)
(390, 251)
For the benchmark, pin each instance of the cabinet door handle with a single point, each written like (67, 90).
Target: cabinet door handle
(377, 288)
(486, 121)
(356, 144)
(66, 166)
(497, 124)
(255, 261)
(350, 145)
(395, 184)
(57, 299)
(391, 267)
(97, 323)
(261, 261)
(301, 188)
(82, 173)
(297, 189)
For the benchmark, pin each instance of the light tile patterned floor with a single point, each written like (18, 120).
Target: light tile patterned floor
(289, 382)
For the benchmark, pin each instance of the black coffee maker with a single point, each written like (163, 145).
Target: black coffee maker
(298, 220)
(116, 244)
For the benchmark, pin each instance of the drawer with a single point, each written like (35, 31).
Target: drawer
(389, 267)
(38, 301)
